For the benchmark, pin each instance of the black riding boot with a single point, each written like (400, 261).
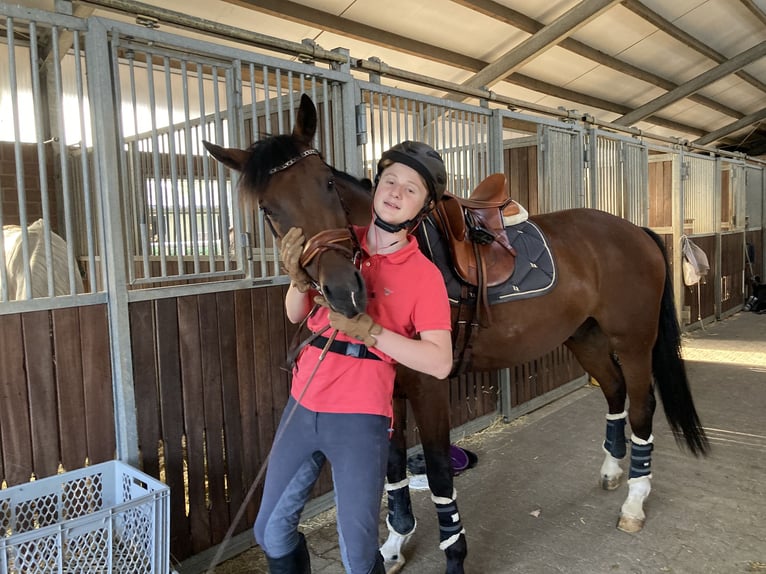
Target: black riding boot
(297, 562)
(378, 567)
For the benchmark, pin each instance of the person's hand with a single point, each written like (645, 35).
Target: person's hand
(360, 327)
(290, 253)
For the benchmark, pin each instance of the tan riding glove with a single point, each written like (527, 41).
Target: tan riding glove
(290, 253)
(360, 327)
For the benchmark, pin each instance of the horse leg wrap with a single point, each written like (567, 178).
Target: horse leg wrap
(641, 457)
(614, 443)
(450, 527)
(400, 517)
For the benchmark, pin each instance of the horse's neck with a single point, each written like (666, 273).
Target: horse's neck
(357, 199)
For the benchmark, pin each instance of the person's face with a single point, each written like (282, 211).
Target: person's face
(401, 193)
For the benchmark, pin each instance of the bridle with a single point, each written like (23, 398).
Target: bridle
(329, 239)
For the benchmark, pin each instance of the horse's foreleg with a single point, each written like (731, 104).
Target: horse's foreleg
(431, 408)
(400, 520)
(615, 449)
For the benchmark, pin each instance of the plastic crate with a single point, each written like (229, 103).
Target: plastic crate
(106, 518)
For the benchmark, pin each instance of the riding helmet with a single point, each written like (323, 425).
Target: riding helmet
(422, 158)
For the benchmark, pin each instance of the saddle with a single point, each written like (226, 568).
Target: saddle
(475, 231)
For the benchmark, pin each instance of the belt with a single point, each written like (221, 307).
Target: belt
(358, 350)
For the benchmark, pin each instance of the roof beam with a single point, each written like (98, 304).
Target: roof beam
(687, 39)
(315, 18)
(718, 134)
(516, 19)
(563, 26)
(695, 84)
(594, 102)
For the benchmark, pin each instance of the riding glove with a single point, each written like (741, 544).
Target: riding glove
(290, 253)
(361, 327)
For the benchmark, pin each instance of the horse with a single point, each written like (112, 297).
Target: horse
(612, 306)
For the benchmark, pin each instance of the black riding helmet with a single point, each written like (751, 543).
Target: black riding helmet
(428, 163)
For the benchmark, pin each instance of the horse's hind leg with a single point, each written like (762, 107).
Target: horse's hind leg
(637, 367)
(591, 347)
(400, 521)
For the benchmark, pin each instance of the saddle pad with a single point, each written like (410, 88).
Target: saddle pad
(534, 275)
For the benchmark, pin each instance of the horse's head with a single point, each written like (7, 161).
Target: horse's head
(294, 187)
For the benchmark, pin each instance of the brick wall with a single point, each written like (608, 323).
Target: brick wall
(32, 184)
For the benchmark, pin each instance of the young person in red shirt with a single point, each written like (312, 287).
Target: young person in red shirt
(345, 414)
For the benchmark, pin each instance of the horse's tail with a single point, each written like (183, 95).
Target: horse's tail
(669, 370)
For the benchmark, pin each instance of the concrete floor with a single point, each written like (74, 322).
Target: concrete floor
(533, 505)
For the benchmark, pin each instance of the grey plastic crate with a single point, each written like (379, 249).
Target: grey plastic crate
(106, 518)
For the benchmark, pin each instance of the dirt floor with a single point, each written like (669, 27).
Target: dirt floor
(533, 504)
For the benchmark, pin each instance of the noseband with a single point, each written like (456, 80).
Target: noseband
(330, 239)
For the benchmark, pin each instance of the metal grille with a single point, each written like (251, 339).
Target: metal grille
(698, 177)
(44, 235)
(459, 133)
(619, 177)
(562, 169)
(754, 197)
(181, 208)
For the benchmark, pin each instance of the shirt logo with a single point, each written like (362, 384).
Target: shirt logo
(387, 291)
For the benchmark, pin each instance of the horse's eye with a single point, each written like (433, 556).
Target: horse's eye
(330, 184)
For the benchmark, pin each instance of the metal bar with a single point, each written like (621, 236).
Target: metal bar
(190, 179)
(101, 97)
(85, 174)
(41, 159)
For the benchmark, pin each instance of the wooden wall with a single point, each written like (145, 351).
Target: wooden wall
(56, 405)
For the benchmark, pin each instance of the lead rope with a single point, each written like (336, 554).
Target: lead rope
(261, 472)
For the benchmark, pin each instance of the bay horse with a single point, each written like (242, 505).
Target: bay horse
(612, 306)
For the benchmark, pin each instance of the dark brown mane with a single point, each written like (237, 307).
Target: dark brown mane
(266, 154)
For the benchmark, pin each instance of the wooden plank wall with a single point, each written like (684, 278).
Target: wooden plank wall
(56, 402)
(210, 389)
(732, 264)
(538, 377)
(521, 172)
(661, 194)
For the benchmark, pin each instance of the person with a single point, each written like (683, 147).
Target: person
(345, 409)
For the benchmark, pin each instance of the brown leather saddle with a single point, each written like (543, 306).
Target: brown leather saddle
(475, 231)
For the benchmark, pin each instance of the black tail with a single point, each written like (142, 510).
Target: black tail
(670, 373)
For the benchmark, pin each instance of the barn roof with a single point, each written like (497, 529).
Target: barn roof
(691, 69)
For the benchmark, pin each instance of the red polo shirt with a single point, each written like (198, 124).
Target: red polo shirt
(406, 295)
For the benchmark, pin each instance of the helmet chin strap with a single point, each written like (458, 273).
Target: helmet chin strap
(410, 224)
(392, 227)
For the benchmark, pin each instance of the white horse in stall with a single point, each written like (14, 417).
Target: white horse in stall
(38, 266)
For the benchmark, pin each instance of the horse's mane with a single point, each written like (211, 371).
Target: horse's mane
(266, 154)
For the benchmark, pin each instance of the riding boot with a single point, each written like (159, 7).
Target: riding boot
(379, 566)
(297, 562)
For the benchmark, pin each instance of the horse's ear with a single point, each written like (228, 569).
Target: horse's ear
(228, 156)
(306, 122)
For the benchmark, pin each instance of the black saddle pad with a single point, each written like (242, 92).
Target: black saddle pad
(534, 274)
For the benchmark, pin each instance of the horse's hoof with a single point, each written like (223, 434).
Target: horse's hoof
(630, 524)
(394, 566)
(611, 482)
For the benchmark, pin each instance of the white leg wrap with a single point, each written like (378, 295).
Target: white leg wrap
(451, 540)
(642, 442)
(442, 500)
(397, 485)
(618, 416)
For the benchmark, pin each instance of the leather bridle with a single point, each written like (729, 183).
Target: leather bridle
(329, 239)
